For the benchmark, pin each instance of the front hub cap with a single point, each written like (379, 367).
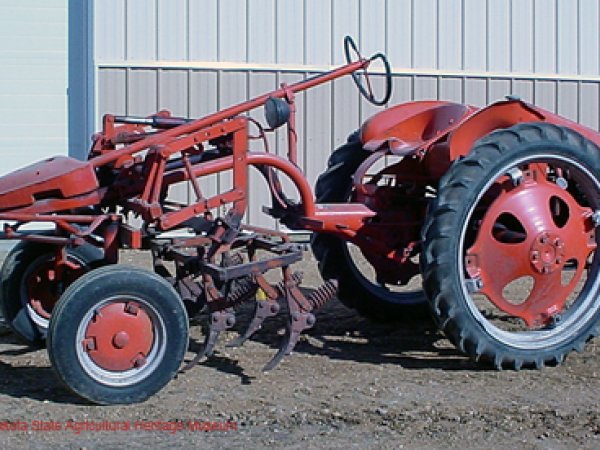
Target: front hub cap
(119, 337)
(547, 252)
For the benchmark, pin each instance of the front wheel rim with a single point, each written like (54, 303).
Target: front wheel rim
(125, 353)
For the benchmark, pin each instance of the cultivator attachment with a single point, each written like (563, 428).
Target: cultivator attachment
(238, 278)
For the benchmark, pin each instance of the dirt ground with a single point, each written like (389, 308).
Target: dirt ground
(349, 384)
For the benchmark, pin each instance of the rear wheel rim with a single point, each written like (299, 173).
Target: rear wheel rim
(40, 289)
(356, 260)
(586, 302)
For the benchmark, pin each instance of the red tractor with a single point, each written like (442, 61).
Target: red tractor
(474, 201)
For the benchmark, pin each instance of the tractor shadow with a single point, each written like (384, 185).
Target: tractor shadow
(342, 334)
(28, 374)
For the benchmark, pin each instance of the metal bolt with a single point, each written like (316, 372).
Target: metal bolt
(139, 361)
(596, 217)
(89, 344)
(546, 270)
(474, 285)
(131, 309)
(516, 176)
(562, 183)
(535, 255)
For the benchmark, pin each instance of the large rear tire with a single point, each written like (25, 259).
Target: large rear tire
(340, 260)
(29, 287)
(509, 256)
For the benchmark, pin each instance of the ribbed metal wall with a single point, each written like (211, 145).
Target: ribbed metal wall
(184, 55)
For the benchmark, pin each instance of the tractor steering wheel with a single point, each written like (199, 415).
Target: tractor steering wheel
(367, 92)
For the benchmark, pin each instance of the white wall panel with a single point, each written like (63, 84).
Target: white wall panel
(203, 28)
(344, 22)
(109, 17)
(232, 30)
(372, 26)
(346, 113)
(318, 32)
(498, 89)
(523, 89)
(261, 31)
(290, 32)
(567, 36)
(588, 37)
(172, 33)
(475, 91)
(522, 36)
(545, 94)
(567, 99)
(33, 81)
(475, 35)
(173, 92)
(142, 92)
(588, 104)
(451, 89)
(141, 30)
(498, 35)
(450, 35)
(399, 33)
(424, 34)
(112, 84)
(545, 36)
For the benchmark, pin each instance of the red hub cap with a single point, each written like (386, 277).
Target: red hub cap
(119, 337)
(531, 230)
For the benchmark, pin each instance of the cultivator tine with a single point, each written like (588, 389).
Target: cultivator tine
(299, 322)
(219, 321)
(262, 310)
(300, 317)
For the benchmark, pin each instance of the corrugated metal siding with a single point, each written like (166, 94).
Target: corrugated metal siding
(473, 51)
(33, 81)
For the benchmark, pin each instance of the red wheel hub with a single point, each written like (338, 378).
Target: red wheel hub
(119, 337)
(45, 283)
(549, 229)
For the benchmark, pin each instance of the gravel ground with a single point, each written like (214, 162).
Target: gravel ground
(349, 384)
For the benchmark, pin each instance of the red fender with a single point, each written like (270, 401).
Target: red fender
(440, 132)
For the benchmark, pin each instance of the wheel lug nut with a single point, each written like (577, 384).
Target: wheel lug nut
(516, 176)
(138, 361)
(596, 217)
(89, 344)
(131, 309)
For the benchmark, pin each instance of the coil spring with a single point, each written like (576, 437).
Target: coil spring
(323, 294)
(241, 291)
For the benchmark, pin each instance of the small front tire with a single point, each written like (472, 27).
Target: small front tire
(118, 335)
